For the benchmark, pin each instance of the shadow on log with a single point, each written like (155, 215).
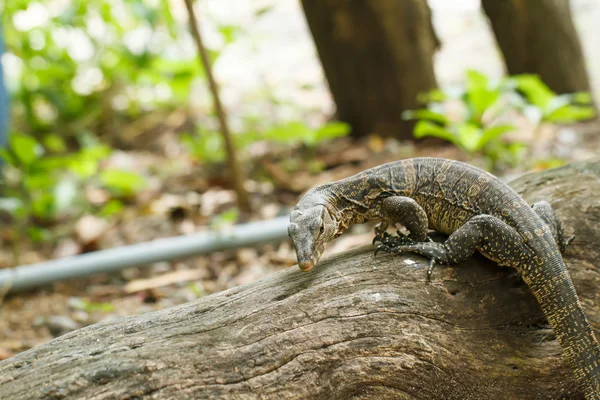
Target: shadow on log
(354, 327)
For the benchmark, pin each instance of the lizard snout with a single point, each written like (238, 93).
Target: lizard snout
(306, 265)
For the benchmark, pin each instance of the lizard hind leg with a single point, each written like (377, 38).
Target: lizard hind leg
(405, 211)
(484, 233)
(546, 212)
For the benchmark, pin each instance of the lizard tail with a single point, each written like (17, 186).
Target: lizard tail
(552, 287)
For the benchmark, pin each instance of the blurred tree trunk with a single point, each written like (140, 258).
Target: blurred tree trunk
(377, 56)
(538, 37)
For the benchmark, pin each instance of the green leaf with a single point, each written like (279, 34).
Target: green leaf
(7, 157)
(469, 135)
(122, 182)
(86, 162)
(25, 148)
(42, 206)
(316, 166)
(479, 96)
(536, 91)
(197, 289)
(229, 32)
(331, 130)
(111, 208)
(425, 114)
(38, 181)
(229, 216)
(90, 306)
(55, 143)
(493, 133)
(83, 168)
(225, 218)
(555, 103)
(291, 132)
(571, 113)
(37, 234)
(433, 96)
(263, 10)
(425, 128)
(582, 98)
(205, 146)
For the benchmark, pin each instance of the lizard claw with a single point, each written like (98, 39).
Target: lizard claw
(569, 240)
(430, 269)
(382, 237)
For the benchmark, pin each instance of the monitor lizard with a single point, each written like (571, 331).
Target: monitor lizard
(479, 212)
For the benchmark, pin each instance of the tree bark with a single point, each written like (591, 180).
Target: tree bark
(354, 327)
(538, 37)
(377, 56)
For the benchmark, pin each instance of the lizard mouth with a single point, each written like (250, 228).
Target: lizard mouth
(306, 265)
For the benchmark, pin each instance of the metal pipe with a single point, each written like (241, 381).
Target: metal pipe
(29, 276)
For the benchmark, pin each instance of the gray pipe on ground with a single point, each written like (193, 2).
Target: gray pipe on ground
(29, 276)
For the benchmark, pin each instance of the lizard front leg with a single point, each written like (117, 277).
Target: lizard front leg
(546, 212)
(405, 211)
(484, 233)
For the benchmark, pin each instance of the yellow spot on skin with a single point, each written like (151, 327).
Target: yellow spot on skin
(528, 235)
(474, 190)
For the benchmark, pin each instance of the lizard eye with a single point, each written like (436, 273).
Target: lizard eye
(322, 229)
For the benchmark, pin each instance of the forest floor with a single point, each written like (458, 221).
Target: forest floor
(190, 197)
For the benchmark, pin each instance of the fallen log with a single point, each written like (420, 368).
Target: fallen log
(357, 326)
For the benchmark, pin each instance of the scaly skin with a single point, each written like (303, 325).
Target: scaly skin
(479, 212)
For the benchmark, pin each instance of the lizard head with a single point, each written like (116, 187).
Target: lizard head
(310, 229)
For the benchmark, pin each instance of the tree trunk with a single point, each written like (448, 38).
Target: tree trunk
(538, 37)
(377, 56)
(354, 327)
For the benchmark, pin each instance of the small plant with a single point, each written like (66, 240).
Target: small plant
(41, 184)
(538, 102)
(225, 219)
(481, 101)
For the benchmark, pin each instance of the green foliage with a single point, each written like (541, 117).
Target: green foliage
(295, 131)
(111, 208)
(40, 187)
(197, 289)
(91, 306)
(34, 188)
(207, 146)
(549, 106)
(122, 183)
(79, 63)
(481, 99)
(226, 218)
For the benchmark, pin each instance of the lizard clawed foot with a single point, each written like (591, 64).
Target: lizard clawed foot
(402, 244)
(380, 232)
(380, 237)
(393, 244)
(389, 240)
